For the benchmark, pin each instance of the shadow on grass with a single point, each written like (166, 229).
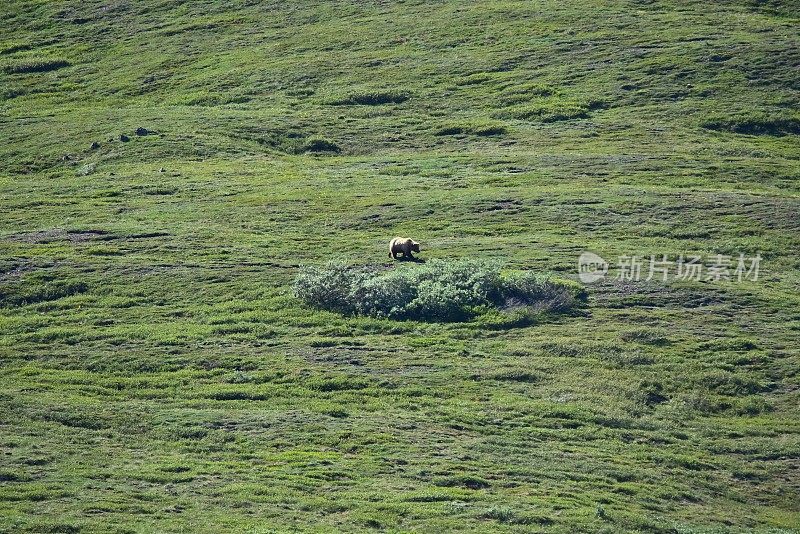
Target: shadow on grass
(410, 260)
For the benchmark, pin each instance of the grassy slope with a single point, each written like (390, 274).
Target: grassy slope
(157, 374)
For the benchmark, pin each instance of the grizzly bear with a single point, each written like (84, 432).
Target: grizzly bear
(404, 245)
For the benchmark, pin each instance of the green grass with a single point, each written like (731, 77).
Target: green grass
(157, 374)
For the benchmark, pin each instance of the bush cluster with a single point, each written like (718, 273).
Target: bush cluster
(435, 291)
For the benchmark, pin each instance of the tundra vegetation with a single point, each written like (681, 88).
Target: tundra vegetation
(436, 291)
(158, 373)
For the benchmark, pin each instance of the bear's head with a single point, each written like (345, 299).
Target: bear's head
(414, 246)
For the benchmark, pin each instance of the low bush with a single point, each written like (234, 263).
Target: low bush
(39, 65)
(319, 144)
(755, 124)
(483, 129)
(436, 291)
(373, 98)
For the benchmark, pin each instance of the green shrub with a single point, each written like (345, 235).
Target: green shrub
(328, 287)
(38, 65)
(383, 296)
(483, 128)
(318, 144)
(437, 300)
(372, 98)
(755, 124)
(436, 291)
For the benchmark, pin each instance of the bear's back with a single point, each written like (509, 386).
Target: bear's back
(399, 244)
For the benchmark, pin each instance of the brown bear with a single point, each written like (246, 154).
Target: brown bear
(404, 245)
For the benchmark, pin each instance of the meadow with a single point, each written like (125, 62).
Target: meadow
(167, 168)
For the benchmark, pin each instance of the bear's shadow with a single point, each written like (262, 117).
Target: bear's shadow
(412, 260)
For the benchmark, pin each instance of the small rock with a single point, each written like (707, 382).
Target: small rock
(124, 138)
(142, 131)
(95, 145)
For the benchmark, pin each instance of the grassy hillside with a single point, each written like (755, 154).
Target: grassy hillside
(157, 374)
